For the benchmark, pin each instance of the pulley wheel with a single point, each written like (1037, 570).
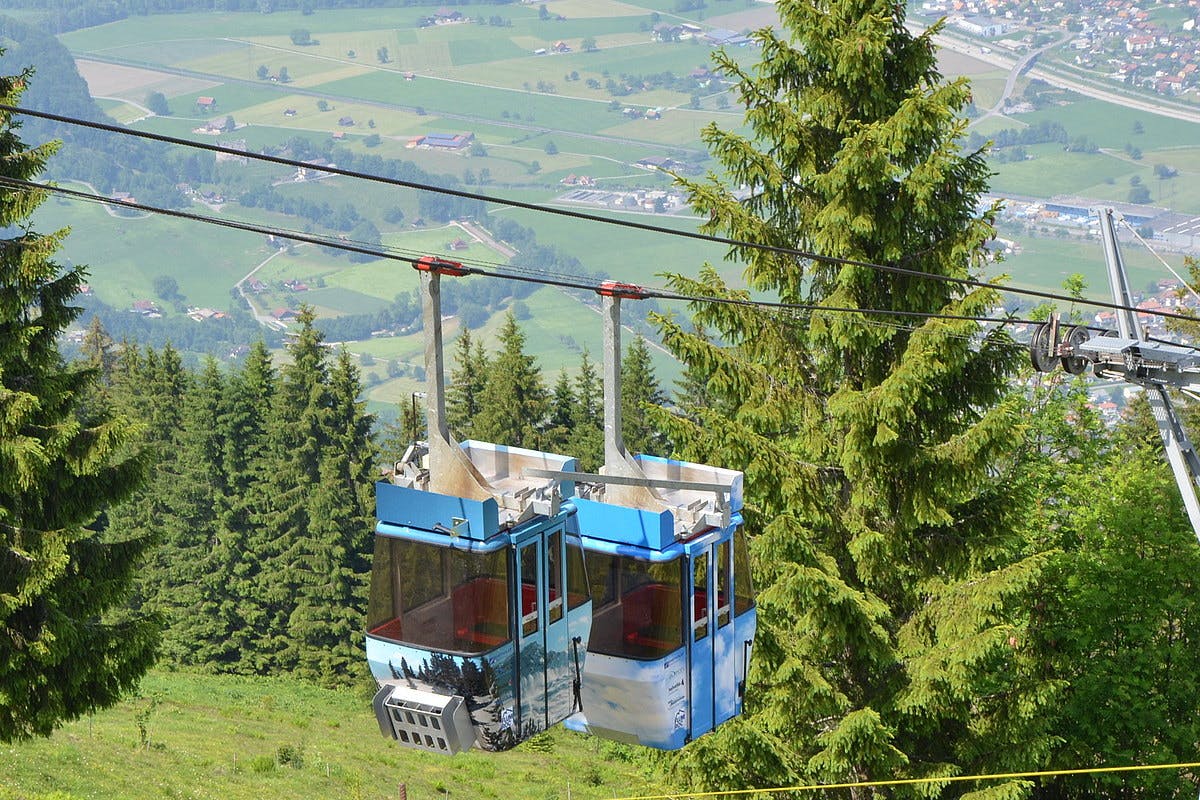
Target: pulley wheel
(1039, 349)
(1076, 364)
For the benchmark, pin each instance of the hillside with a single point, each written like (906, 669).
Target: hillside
(193, 736)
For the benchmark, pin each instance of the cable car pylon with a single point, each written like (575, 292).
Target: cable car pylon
(1130, 355)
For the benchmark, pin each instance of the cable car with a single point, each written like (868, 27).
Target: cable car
(673, 609)
(479, 611)
(673, 617)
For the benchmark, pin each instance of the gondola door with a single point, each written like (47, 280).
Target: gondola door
(726, 652)
(560, 672)
(531, 633)
(701, 661)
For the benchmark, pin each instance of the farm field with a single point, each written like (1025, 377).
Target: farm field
(1045, 261)
(125, 254)
(536, 121)
(193, 736)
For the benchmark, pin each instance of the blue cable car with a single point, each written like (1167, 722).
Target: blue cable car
(479, 610)
(673, 617)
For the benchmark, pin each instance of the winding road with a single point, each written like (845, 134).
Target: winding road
(1059, 76)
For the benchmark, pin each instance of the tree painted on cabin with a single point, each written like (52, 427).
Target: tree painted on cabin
(893, 611)
(66, 646)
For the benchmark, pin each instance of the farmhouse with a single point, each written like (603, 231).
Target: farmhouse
(447, 141)
(147, 308)
(206, 103)
(202, 314)
(725, 38)
(666, 32)
(659, 162)
(345, 122)
(234, 144)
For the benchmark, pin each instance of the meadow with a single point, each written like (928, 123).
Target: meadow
(484, 79)
(195, 736)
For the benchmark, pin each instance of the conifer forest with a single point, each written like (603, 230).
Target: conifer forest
(959, 568)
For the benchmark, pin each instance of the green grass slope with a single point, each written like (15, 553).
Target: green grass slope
(198, 736)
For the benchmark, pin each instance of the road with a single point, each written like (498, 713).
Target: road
(1014, 73)
(1055, 76)
(482, 236)
(263, 319)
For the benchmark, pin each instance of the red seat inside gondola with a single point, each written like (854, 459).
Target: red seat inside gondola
(481, 611)
(388, 630)
(650, 622)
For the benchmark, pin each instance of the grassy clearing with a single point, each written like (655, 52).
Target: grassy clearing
(194, 737)
(126, 254)
(164, 27)
(1050, 170)
(178, 52)
(121, 112)
(1046, 261)
(1112, 125)
(626, 254)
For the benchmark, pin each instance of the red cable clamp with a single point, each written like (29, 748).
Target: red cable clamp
(441, 266)
(627, 291)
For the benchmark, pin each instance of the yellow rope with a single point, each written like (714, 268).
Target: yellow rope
(910, 781)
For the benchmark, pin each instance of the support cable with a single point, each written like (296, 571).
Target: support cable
(520, 275)
(579, 215)
(1161, 260)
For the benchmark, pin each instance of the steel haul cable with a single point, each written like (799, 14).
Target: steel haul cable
(525, 275)
(511, 203)
(517, 273)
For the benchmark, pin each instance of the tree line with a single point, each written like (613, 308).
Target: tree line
(960, 571)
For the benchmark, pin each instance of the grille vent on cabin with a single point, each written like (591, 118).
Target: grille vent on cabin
(423, 720)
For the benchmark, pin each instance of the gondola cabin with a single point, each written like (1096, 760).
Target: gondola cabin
(673, 618)
(479, 610)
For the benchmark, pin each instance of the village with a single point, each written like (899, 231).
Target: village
(1156, 50)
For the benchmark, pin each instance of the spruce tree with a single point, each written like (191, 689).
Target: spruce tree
(287, 473)
(226, 638)
(893, 610)
(639, 392)
(193, 494)
(313, 517)
(561, 423)
(587, 436)
(467, 380)
(65, 650)
(98, 348)
(514, 404)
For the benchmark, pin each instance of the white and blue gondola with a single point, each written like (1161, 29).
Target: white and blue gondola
(479, 613)
(478, 617)
(487, 623)
(674, 614)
